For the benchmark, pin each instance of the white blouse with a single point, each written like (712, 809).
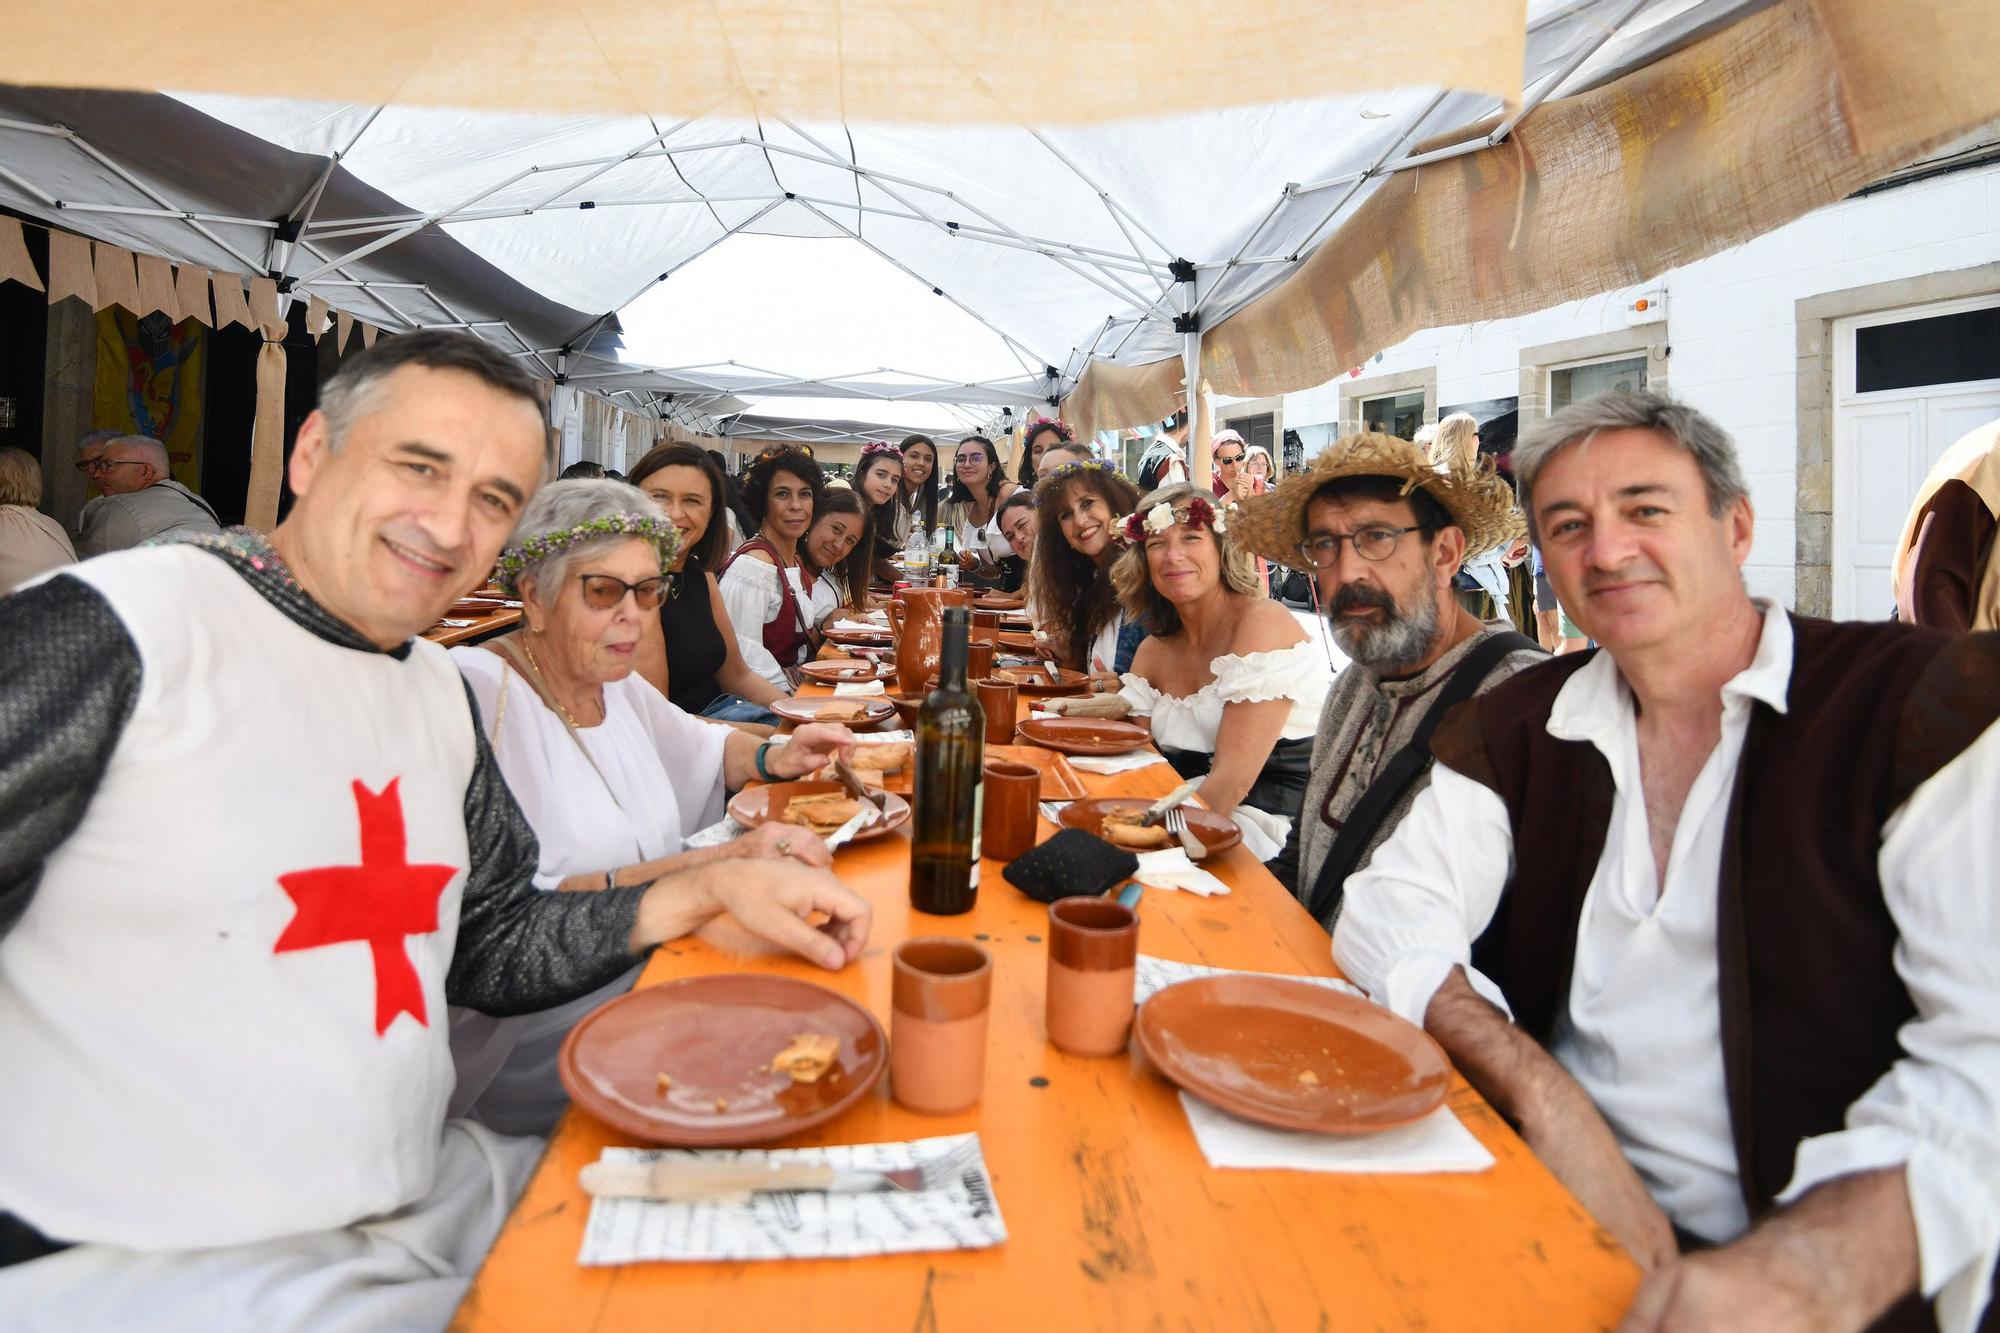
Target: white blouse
(1190, 722)
(657, 778)
(751, 596)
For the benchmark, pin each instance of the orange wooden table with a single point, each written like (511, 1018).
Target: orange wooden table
(451, 635)
(1114, 1219)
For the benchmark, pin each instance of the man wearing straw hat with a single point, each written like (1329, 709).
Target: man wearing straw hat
(1383, 531)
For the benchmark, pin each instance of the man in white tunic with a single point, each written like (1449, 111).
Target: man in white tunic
(252, 842)
(1710, 913)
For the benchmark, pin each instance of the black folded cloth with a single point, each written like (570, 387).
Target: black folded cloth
(1073, 864)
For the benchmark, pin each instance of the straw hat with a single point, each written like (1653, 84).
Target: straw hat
(1480, 503)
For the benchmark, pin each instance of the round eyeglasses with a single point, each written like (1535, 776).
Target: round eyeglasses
(1375, 543)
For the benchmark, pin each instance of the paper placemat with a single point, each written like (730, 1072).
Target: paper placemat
(850, 689)
(1104, 764)
(799, 1224)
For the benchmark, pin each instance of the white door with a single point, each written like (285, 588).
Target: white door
(1886, 439)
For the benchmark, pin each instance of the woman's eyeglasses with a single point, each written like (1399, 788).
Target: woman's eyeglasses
(1323, 551)
(601, 592)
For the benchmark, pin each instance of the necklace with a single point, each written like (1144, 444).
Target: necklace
(553, 697)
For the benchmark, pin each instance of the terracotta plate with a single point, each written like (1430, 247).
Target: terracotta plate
(1017, 639)
(846, 669)
(864, 638)
(1085, 735)
(1218, 833)
(1059, 780)
(1035, 684)
(1295, 1056)
(998, 602)
(754, 805)
(710, 1036)
(807, 708)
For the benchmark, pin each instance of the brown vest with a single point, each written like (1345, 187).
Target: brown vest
(1810, 999)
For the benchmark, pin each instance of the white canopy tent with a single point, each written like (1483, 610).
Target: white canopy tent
(742, 252)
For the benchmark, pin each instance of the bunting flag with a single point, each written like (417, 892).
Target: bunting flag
(117, 283)
(15, 264)
(191, 285)
(156, 288)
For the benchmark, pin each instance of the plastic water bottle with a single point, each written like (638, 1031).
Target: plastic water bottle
(917, 557)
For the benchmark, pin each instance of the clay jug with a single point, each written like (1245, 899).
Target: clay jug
(918, 622)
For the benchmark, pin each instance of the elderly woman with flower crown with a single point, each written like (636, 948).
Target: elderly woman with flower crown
(1234, 686)
(611, 776)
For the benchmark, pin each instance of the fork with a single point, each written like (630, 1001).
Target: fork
(672, 1178)
(1176, 823)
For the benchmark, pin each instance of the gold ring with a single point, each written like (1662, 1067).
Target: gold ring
(784, 846)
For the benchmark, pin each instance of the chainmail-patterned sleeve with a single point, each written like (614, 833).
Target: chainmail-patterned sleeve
(69, 678)
(522, 949)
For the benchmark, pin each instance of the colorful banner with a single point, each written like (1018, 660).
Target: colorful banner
(150, 381)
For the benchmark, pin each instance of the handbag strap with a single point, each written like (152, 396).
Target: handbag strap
(1402, 771)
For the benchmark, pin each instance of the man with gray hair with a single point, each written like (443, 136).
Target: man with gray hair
(141, 501)
(1709, 912)
(250, 999)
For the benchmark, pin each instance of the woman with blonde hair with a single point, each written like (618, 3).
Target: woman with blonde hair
(31, 542)
(1233, 685)
(1454, 451)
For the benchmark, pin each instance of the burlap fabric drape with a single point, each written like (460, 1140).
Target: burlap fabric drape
(1792, 108)
(866, 60)
(267, 436)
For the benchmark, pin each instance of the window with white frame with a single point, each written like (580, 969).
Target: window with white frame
(1586, 379)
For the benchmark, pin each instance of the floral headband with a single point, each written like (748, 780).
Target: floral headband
(869, 451)
(1196, 512)
(1064, 431)
(1064, 470)
(515, 560)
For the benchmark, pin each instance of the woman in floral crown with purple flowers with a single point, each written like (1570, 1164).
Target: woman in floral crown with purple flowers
(1233, 684)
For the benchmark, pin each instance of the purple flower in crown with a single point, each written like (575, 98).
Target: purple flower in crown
(1195, 512)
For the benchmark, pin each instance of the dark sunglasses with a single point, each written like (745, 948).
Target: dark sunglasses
(601, 592)
(1231, 458)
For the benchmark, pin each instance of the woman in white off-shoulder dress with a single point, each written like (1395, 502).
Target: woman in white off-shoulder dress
(1233, 685)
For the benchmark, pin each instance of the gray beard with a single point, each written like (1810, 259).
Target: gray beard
(1400, 642)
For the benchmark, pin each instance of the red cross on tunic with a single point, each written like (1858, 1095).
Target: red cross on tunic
(379, 902)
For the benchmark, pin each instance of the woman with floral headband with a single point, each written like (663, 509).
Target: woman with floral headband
(1078, 507)
(1043, 434)
(1233, 685)
(766, 586)
(878, 479)
(611, 776)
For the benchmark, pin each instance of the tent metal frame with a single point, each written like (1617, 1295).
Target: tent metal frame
(1151, 285)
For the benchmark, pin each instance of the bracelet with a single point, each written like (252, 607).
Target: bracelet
(762, 771)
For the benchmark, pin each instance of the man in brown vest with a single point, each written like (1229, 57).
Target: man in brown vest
(1745, 990)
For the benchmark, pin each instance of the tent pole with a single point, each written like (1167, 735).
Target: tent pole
(1197, 405)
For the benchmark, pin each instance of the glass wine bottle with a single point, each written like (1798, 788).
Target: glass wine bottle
(949, 786)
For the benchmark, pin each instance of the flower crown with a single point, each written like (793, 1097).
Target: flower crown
(514, 561)
(869, 451)
(1064, 431)
(1196, 512)
(1063, 470)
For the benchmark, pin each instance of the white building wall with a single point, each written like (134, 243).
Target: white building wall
(1731, 327)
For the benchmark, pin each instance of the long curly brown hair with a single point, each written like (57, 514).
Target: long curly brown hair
(1072, 592)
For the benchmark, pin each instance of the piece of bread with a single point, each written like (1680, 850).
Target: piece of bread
(1122, 828)
(881, 758)
(809, 1056)
(841, 710)
(822, 813)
